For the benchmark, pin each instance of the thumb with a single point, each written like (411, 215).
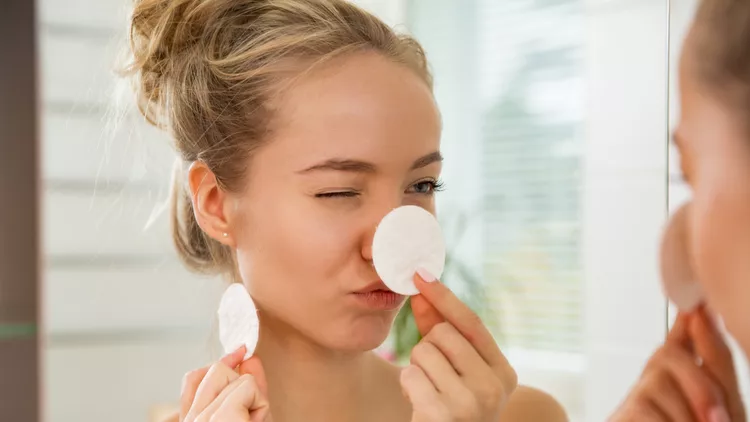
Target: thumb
(425, 315)
(254, 367)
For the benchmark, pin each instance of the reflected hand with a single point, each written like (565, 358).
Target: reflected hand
(220, 392)
(675, 387)
(457, 371)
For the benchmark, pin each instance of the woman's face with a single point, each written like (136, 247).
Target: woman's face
(715, 160)
(353, 139)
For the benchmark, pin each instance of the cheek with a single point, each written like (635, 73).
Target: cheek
(293, 249)
(720, 234)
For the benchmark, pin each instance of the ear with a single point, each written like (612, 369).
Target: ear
(209, 203)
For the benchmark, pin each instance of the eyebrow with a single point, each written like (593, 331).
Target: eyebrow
(357, 166)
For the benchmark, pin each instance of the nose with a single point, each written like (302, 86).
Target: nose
(367, 251)
(372, 222)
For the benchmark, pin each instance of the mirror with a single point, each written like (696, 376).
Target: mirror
(555, 116)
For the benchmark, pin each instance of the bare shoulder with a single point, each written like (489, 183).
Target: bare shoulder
(532, 405)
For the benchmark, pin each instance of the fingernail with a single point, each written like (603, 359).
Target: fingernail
(714, 318)
(425, 275)
(718, 414)
(236, 351)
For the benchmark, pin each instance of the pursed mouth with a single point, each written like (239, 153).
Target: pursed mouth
(377, 286)
(379, 299)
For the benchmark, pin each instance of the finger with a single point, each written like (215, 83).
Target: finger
(192, 380)
(717, 358)
(418, 387)
(233, 359)
(710, 346)
(459, 352)
(425, 315)
(219, 376)
(700, 390)
(463, 318)
(651, 412)
(190, 383)
(679, 333)
(214, 406)
(436, 366)
(254, 367)
(246, 398)
(487, 384)
(665, 395)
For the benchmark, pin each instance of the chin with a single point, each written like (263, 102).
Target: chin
(363, 336)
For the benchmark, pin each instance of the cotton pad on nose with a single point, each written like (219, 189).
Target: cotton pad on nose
(678, 279)
(238, 320)
(408, 238)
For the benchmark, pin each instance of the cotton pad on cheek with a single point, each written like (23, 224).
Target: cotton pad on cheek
(238, 320)
(407, 239)
(678, 279)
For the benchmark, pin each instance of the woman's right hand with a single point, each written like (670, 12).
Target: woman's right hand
(229, 391)
(690, 378)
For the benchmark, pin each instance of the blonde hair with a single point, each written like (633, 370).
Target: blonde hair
(722, 50)
(205, 70)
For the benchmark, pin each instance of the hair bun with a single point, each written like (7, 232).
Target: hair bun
(160, 38)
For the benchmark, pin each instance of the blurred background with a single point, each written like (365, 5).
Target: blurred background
(558, 172)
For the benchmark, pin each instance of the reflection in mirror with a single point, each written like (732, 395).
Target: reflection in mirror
(681, 16)
(540, 181)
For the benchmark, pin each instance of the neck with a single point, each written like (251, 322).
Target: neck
(308, 382)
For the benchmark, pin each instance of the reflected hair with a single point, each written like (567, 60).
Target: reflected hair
(722, 50)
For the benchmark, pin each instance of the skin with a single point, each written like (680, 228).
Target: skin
(368, 130)
(673, 387)
(715, 160)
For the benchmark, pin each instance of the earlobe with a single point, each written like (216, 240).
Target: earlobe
(208, 203)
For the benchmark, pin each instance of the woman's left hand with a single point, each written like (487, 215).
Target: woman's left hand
(457, 372)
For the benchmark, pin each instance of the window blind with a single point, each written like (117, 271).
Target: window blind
(524, 79)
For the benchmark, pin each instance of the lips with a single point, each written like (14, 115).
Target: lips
(374, 287)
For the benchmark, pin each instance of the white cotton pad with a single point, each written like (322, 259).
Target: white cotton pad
(238, 320)
(678, 279)
(407, 239)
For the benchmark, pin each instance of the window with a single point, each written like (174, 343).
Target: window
(512, 99)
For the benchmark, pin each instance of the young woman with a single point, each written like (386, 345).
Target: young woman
(300, 124)
(692, 377)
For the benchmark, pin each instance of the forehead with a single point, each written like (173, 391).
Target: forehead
(689, 92)
(362, 105)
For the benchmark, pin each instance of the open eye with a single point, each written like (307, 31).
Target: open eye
(426, 187)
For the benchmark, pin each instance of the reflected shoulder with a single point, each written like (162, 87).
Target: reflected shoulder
(529, 404)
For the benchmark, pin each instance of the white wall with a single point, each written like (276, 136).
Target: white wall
(122, 320)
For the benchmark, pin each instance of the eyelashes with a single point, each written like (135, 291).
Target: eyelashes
(432, 185)
(340, 194)
(423, 187)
